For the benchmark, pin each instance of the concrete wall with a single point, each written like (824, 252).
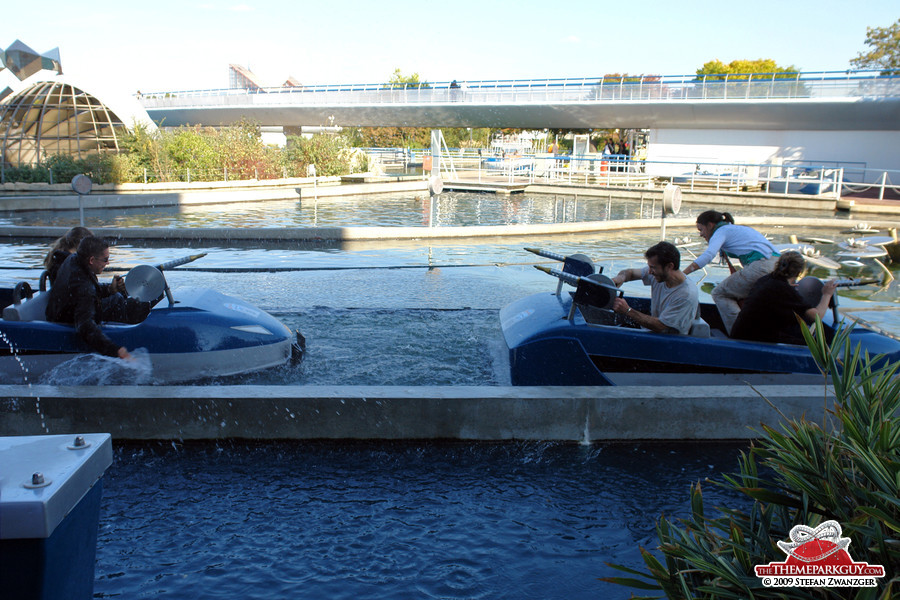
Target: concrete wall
(406, 412)
(42, 196)
(874, 150)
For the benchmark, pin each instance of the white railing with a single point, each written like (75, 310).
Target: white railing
(655, 88)
(786, 178)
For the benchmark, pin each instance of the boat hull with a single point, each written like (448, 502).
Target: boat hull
(547, 348)
(799, 186)
(206, 334)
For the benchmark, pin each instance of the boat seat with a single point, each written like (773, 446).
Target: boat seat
(34, 309)
(699, 328)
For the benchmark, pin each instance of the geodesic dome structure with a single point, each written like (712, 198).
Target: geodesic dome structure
(43, 113)
(51, 118)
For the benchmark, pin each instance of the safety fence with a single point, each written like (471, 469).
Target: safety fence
(828, 179)
(663, 88)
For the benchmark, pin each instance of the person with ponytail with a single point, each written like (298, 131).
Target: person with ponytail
(770, 311)
(755, 253)
(62, 248)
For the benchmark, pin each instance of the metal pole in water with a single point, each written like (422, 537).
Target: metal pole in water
(81, 184)
(436, 151)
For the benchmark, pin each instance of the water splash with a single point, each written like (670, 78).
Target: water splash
(25, 372)
(94, 369)
(586, 440)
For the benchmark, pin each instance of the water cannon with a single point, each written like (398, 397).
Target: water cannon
(597, 290)
(579, 265)
(147, 283)
(167, 266)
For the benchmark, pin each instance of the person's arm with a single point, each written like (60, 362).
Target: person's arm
(626, 275)
(644, 320)
(88, 329)
(822, 307)
(715, 246)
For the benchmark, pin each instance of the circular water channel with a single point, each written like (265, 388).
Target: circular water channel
(402, 312)
(379, 519)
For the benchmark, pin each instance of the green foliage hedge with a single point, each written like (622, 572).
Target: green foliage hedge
(236, 152)
(802, 473)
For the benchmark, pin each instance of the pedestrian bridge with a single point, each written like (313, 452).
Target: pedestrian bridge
(844, 100)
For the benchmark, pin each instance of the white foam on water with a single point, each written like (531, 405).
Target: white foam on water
(94, 369)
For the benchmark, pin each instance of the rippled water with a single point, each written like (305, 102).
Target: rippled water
(389, 520)
(412, 312)
(451, 209)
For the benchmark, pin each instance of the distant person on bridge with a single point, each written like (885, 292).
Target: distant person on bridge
(757, 255)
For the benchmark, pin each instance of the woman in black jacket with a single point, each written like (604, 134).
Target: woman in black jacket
(770, 311)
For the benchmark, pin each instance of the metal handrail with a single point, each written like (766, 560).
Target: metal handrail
(753, 86)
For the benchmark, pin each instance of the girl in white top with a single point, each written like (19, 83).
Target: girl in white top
(757, 255)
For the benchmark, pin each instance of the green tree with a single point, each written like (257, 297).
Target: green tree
(716, 69)
(329, 153)
(885, 50)
(389, 137)
(242, 152)
(399, 80)
(193, 149)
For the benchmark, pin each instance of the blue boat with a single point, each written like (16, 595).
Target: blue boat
(203, 334)
(561, 338)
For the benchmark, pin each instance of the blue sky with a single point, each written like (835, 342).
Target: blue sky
(168, 45)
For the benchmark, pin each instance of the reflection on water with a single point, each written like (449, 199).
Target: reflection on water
(387, 520)
(451, 209)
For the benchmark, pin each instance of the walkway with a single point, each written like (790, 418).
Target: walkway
(844, 100)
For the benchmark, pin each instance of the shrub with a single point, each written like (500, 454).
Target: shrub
(803, 473)
(325, 151)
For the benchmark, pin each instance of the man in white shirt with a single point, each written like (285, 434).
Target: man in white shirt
(673, 299)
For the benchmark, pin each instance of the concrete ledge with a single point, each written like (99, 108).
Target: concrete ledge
(187, 194)
(404, 412)
(307, 193)
(65, 189)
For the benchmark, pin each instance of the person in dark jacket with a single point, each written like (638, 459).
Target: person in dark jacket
(770, 311)
(62, 248)
(78, 298)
